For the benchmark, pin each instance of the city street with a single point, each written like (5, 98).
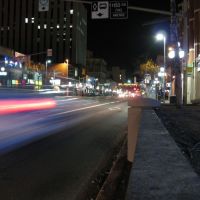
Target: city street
(75, 76)
(54, 152)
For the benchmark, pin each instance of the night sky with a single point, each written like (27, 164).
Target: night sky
(126, 42)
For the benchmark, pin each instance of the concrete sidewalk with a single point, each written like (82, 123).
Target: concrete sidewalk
(159, 170)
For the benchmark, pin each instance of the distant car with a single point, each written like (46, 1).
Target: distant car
(137, 90)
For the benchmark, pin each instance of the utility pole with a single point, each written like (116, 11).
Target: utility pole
(176, 64)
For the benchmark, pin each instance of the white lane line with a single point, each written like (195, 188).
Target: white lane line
(115, 108)
(88, 107)
(67, 99)
(89, 103)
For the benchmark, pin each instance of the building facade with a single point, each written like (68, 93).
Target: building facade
(96, 67)
(62, 28)
(118, 74)
(194, 48)
(190, 37)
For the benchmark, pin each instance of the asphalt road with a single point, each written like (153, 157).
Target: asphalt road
(55, 152)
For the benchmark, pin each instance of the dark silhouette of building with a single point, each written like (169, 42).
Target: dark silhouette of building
(63, 28)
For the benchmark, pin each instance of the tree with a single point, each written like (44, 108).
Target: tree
(149, 67)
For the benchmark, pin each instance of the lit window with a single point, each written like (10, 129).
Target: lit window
(32, 20)
(38, 26)
(70, 39)
(26, 20)
(58, 26)
(71, 11)
(45, 26)
(71, 26)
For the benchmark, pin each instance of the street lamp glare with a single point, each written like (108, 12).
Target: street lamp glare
(162, 69)
(181, 54)
(171, 54)
(67, 61)
(160, 36)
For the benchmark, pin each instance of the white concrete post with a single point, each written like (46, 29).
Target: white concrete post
(134, 116)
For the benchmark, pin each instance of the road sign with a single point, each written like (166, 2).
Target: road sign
(118, 9)
(100, 10)
(43, 5)
(49, 52)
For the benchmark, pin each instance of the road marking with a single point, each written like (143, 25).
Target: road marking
(88, 107)
(115, 108)
(67, 99)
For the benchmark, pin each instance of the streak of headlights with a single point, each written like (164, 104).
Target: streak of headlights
(22, 105)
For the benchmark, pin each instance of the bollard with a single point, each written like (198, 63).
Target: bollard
(134, 117)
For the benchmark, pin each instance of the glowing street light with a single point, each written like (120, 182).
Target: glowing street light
(171, 54)
(160, 36)
(181, 53)
(47, 62)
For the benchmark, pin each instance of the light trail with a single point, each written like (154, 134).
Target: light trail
(22, 105)
(85, 108)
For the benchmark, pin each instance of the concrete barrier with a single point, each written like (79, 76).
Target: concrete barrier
(136, 106)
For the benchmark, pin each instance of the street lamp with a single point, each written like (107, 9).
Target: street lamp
(47, 62)
(177, 54)
(67, 63)
(162, 37)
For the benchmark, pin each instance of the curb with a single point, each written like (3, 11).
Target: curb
(112, 181)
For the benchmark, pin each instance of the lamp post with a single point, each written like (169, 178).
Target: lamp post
(162, 37)
(67, 76)
(47, 62)
(67, 62)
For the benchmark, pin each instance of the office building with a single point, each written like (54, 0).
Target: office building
(62, 28)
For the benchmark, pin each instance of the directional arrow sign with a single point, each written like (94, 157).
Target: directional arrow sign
(100, 10)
